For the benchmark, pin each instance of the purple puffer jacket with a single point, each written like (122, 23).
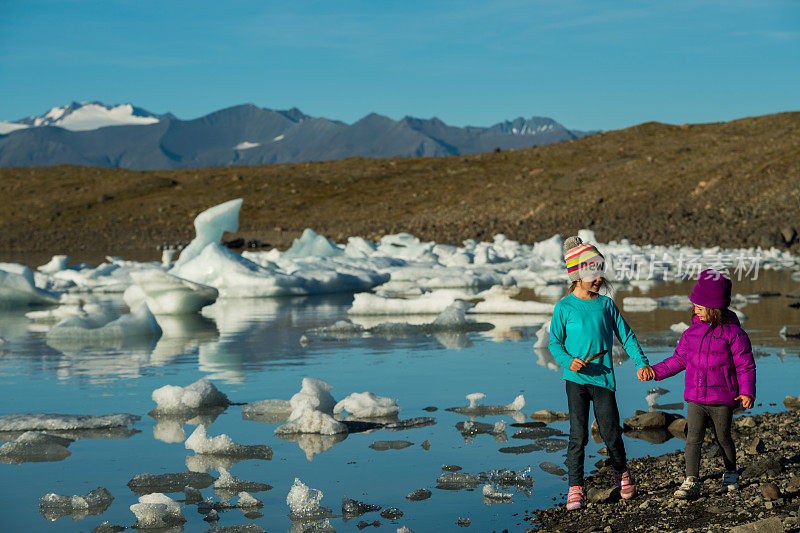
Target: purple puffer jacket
(718, 362)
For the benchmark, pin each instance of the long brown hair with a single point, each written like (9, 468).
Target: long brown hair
(716, 316)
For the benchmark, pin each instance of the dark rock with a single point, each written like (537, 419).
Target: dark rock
(772, 524)
(552, 468)
(419, 495)
(465, 522)
(649, 420)
(361, 524)
(528, 425)
(536, 433)
(792, 402)
(764, 465)
(678, 428)
(148, 483)
(352, 508)
(430, 409)
(426, 445)
(391, 513)
(546, 415)
(451, 468)
(770, 491)
(756, 447)
(596, 495)
(235, 243)
(655, 436)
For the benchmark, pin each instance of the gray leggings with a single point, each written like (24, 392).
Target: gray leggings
(697, 419)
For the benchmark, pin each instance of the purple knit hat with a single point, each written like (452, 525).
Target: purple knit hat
(711, 290)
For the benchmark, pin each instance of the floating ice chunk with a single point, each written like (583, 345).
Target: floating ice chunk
(457, 481)
(247, 501)
(490, 491)
(475, 428)
(506, 477)
(303, 503)
(200, 395)
(433, 302)
(209, 227)
(229, 483)
(166, 294)
(33, 446)
(157, 511)
(410, 423)
(639, 303)
(367, 405)
(342, 329)
(353, 508)
(147, 483)
(404, 529)
(480, 410)
(18, 288)
(78, 331)
(56, 263)
(358, 247)
(223, 445)
(43, 421)
(680, 327)
(310, 244)
(314, 394)
(53, 506)
(474, 398)
(500, 300)
(267, 411)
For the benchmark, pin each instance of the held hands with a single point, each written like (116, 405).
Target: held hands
(577, 365)
(747, 401)
(646, 373)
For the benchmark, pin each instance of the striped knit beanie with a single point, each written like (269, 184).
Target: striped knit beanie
(583, 260)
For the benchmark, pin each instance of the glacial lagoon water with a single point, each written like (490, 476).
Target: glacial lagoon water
(252, 351)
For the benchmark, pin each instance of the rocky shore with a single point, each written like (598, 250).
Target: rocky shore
(768, 456)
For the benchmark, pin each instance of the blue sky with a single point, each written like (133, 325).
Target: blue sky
(588, 64)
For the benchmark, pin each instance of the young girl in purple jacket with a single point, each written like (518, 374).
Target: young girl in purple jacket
(720, 371)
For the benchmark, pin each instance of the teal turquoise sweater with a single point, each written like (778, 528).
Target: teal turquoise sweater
(582, 328)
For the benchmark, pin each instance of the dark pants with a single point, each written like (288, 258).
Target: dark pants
(607, 416)
(698, 417)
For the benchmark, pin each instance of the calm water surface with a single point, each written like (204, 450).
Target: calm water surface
(252, 351)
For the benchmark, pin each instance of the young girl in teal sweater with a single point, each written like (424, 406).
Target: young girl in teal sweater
(581, 338)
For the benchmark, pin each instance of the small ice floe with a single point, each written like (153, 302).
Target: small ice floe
(53, 506)
(312, 410)
(56, 422)
(473, 409)
(510, 478)
(18, 288)
(139, 328)
(33, 446)
(491, 492)
(223, 445)
(384, 445)
(166, 294)
(410, 423)
(157, 511)
(470, 429)
(247, 501)
(275, 411)
(231, 485)
(367, 405)
(353, 508)
(341, 329)
(452, 320)
(147, 483)
(303, 502)
(404, 529)
(199, 396)
(457, 481)
(418, 495)
(680, 327)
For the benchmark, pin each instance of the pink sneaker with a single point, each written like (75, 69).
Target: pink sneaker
(627, 488)
(575, 498)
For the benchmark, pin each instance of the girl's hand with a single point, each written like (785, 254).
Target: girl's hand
(747, 401)
(646, 373)
(577, 365)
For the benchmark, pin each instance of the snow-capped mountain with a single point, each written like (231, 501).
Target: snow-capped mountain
(84, 117)
(79, 134)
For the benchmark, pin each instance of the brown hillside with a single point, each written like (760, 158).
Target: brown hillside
(732, 184)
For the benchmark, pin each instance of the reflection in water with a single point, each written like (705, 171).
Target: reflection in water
(169, 428)
(313, 443)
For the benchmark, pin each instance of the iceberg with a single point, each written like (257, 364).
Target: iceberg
(157, 511)
(136, 329)
(34, 446)
(310, 244)
(55, 422)
(303, 503)
(312, 410)
(53, 506)
(18, 288)
(200, 395)
(209, 227)
(201, 444)
(367, 405)
(166, 294)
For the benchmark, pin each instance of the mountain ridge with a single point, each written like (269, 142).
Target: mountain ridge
(246, 134)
